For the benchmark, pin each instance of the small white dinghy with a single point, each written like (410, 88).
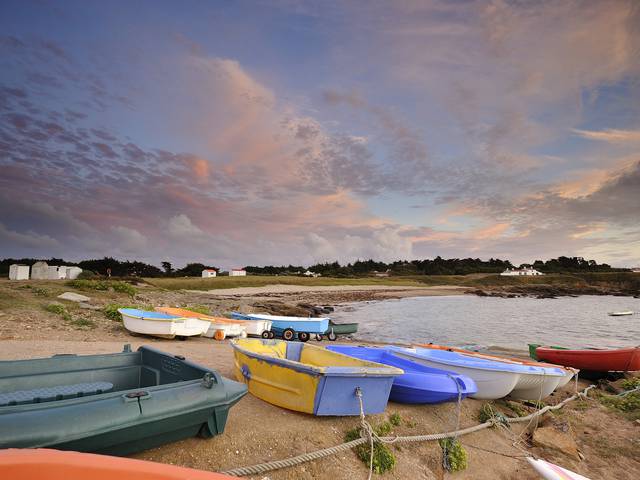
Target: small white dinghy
(494, 379)
(621, 314)
(219, 328)
(161, 324)
(550, 471)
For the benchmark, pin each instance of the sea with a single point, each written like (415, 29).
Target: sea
(512, 323)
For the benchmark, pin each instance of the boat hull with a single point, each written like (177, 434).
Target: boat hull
(341, 328)
(26, 464)
(419, 383)
(310, 379)
(614, 360)
(281, 323)
(156, 398)
(161, 325)
(550, 471)
(230, 328)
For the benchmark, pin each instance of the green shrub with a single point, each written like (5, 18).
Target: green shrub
(383, 458)
(58, 309)
(395, 419)
(87, 275)
(111, 311)
(455, 456)
(41, 292)
(82, 322)
(629, 403)
(630, 383)
(123, 287)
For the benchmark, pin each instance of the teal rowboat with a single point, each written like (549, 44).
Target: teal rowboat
(115, 404)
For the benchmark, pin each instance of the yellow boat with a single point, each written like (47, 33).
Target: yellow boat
(310, 379)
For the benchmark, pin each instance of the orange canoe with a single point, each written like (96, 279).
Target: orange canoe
(611, 360)
(182, 312)
(30, 464)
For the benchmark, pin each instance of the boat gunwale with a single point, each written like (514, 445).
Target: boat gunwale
(539, 371)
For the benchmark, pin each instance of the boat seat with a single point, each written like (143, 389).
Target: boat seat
(50, 394)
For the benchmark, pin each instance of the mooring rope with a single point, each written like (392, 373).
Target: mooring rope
(325, 452)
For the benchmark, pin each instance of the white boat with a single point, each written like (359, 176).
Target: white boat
(550, 471)
(621, 314)
(161, 324)
(219, 328)
(494, 379)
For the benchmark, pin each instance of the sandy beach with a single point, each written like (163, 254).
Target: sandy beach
(258, 432)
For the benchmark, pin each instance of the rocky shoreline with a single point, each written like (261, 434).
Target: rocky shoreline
(552, 291)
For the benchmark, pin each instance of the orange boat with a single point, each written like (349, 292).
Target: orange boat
(604, 360)
(29, 464)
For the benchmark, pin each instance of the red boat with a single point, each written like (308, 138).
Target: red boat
(613, 360)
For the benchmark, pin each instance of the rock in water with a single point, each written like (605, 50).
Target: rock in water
(73, 297)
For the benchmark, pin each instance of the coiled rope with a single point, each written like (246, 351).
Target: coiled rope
(325, 452)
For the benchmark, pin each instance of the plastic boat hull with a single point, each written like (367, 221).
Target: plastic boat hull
(28, 464)
(550, 471)
(161, 324)
(280, 322)
(230, 328)
(341, 328)
(614, 360)
(567, 371)
(155, 398)
(419, 383)
(310, 379)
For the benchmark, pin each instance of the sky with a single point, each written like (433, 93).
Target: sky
(269, 132)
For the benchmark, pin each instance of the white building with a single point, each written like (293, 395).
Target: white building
(40, 271)
(73, 272)
(208, 273)
(18, 272)
(237, 272)
(516, 272)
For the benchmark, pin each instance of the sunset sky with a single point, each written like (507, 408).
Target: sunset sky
(250, 133)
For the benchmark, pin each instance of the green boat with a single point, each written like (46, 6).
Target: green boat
(113, 404)
(340, 329)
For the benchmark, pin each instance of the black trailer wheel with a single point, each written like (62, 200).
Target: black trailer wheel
(272, 334)
(319, 337)
(288, 334)
(332, 336)
(266, 334)
(303, 336)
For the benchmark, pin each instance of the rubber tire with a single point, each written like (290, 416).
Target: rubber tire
(303, 336)
(288, 334)
(332, 336)
(266, 334)
(272, 335)
(319, 337)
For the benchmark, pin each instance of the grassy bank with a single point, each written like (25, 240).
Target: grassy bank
(628, 281)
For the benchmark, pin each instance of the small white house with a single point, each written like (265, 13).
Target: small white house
(18, 272)
(73, 272)
(309, 273)
(40, 271)
(237, 272)
(208, 273)
(516, 272)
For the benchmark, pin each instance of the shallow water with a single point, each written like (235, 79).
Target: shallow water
(505, 322)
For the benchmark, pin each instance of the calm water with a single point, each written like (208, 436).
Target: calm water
(505, 322)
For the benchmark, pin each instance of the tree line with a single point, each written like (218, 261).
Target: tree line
(435, 266)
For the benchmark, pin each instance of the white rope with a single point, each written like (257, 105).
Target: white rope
(325, 452)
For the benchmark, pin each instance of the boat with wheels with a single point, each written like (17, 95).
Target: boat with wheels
(289, 327)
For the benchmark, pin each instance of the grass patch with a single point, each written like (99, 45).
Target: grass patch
(203, 309)
(395, 419)
(41, 292)
(454, 455)
(630, 383)
(102, 285)
(383, 458)
(59, 310)
(629, 405)
(82, 322)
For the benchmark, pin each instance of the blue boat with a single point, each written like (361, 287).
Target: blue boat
(288, 327)
(419, 383)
